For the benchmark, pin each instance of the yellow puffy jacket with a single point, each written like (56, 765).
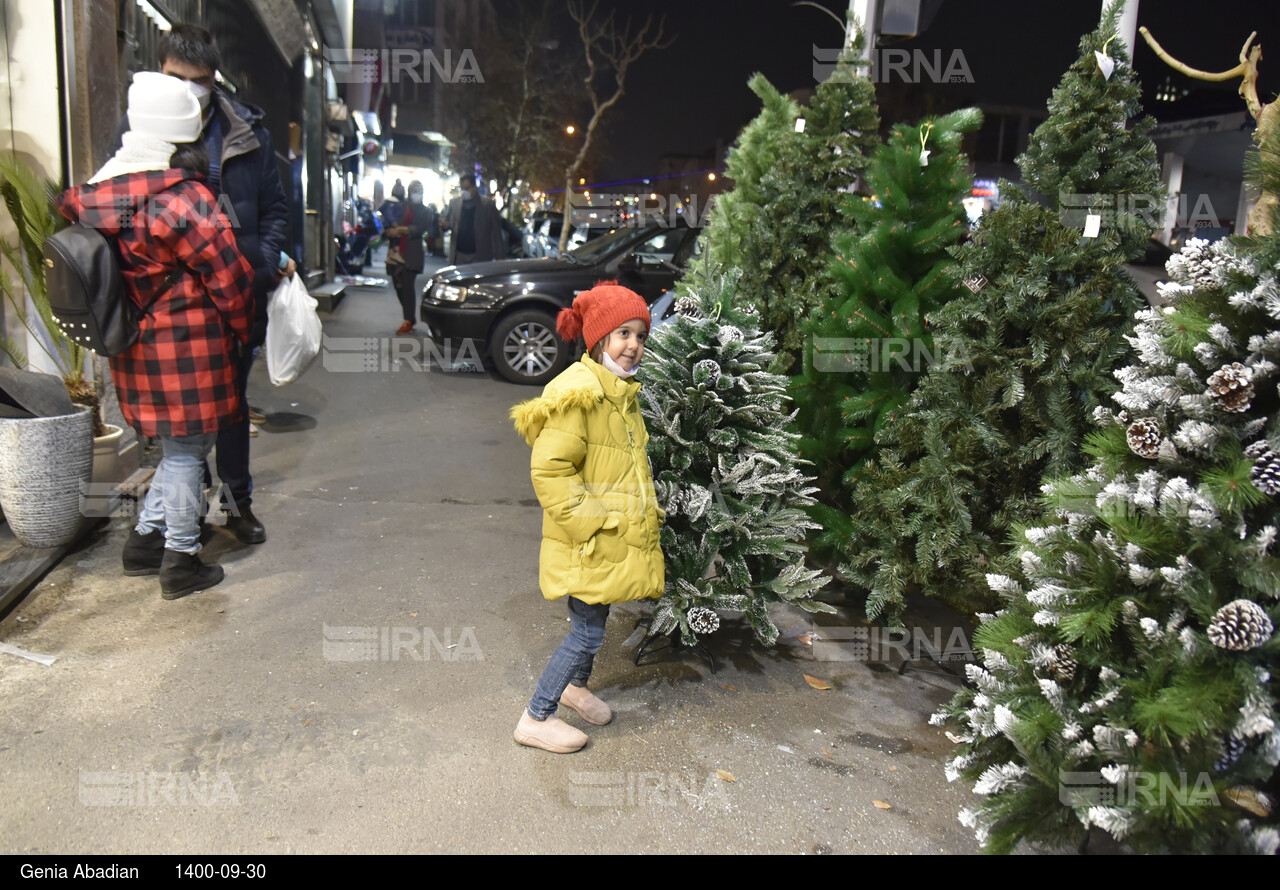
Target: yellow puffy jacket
(591, 474)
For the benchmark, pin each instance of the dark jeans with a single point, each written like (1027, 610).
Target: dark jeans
(572, 662)
(233, 440)
(404, 279)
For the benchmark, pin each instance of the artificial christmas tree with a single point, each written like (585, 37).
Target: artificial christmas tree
(1024, 355)
(816, 171)
(1161, 580)
(725, 470)
(775, 227)
(866, 344)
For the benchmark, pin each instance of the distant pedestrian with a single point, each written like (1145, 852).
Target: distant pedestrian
(432, 233)
(405, 259)
(512, 239)
(600, 526)
(181, 264)
(392, 207)
(474, 224)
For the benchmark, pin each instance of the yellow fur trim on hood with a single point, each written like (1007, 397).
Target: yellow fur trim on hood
(531, 416)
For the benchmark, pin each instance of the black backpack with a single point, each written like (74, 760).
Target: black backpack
(87, 293)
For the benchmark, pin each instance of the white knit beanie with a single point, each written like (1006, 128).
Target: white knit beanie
(163, 107)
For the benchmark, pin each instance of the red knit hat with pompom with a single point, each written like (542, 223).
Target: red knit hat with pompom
(597, 312)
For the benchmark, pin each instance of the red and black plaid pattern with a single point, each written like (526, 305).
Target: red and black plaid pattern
(179, 378)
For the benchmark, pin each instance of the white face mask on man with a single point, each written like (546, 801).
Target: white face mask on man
(203, 94)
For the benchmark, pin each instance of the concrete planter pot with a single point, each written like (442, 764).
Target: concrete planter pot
(106, 454)
(45, 464)
(102, 499)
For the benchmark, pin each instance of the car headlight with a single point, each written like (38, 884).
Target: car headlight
(450, 293)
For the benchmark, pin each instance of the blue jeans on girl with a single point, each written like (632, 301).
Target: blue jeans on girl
(572, 662)
(174, 502)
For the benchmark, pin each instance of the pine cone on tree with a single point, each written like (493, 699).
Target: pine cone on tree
(1231, 386)
(1145, 438)
(1062, 666)
(1240, 626)
(1265, 474)
(707, 371)
(703, 620)
(688, 307)
(1232, 750)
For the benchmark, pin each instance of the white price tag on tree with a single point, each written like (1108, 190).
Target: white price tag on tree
(1106, 64)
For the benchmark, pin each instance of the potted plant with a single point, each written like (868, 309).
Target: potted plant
(44, 461)
(31, 203)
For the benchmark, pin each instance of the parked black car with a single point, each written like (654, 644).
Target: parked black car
(508, 309)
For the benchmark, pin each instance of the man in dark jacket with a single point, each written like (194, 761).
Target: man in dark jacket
(475, 226)
(242, 167)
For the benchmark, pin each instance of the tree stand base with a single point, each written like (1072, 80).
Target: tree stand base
(649, 652)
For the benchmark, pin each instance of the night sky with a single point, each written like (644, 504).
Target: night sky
(682, 99)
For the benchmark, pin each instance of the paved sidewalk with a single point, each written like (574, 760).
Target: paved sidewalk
(353, 684)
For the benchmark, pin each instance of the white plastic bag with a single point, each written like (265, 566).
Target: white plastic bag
(293, 331)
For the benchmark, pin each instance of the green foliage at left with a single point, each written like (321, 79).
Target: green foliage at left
(32, 205)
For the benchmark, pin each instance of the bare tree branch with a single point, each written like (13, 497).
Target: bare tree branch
(1267, 115)
(616, 49)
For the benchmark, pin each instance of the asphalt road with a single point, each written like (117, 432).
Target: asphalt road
(353, 684)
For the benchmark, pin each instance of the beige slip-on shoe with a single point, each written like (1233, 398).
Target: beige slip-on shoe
(552, 734)
(589, 708)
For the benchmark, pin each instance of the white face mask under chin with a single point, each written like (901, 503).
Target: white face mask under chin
(616, 368)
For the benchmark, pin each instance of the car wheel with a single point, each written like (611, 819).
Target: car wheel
(526, 348)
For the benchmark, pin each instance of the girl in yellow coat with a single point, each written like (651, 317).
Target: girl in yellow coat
(600, 513)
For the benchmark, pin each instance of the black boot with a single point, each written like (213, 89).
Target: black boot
(245, 526)
(183, 573)
(143, 553)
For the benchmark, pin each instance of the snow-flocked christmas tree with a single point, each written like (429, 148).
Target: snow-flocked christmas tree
(725, 470)
(1137, 651)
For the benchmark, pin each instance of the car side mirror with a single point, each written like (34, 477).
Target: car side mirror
(630, 263)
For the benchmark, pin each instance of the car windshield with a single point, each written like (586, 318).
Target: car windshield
(606, 244)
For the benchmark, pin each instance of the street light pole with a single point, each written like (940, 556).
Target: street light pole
(1128, 29)
(868, 14)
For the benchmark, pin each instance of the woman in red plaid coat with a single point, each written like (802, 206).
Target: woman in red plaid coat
(180, 262)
